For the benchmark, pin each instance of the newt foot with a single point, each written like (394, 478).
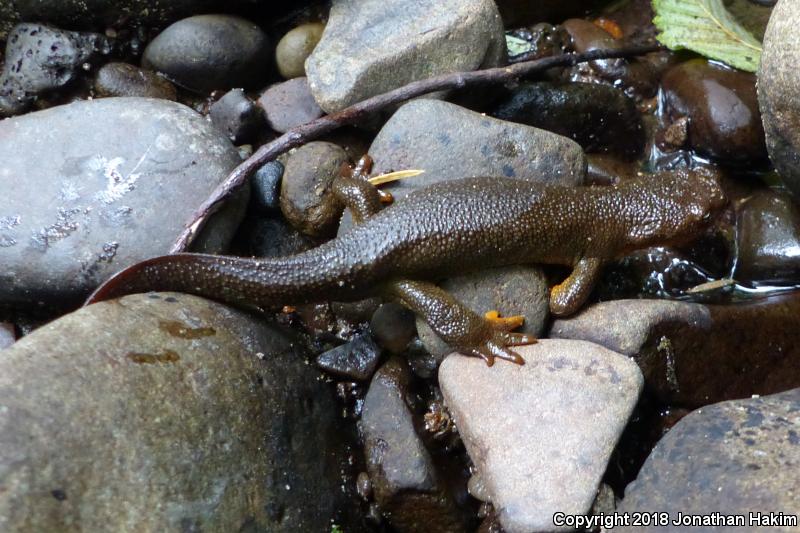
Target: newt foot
(497, 347)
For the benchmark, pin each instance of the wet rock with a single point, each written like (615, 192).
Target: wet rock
(144, 425)
(600, 118)
(778, 86)
(307, 200)
(294, 48)
(373, 46)
(768, 234)
(238, 116)
(393, 327)
(731, 458)
(208, 52)
(7, 335)
(542, 432)
(639, 75)
(724, 120)
(515, 290)
(272, 236)
(523, 12)
(356, 360)
(108, 183)
(289, 104)
(266, 186)
(450, 142)
(694, 354)
(122, 79)
(603, 169)
(405, 483)
(40, 59)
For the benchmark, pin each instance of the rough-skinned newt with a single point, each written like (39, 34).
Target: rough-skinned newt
(446, 229)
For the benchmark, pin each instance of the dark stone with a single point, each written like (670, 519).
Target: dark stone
(272, 236)
(294, 48)
(172, 413)
(404, 480)
(122, 79)
(731, 458)
(393, 326)
(266, 186)
(724, 120)
(768, 235)
(600, 118)
(778, 87)
(40, 59)
(289, 104)
(524, 12)
(307, 199)
(355, 360)
(694, 354)
(238, 116)
(208, 52)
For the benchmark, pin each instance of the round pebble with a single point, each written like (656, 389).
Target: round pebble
(209, 52)
(295, 47)
(122, 79)
(393, 326)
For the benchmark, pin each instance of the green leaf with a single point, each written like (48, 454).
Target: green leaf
(706, 27)
(517, 46)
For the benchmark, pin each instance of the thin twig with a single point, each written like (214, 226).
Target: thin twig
(355, 113)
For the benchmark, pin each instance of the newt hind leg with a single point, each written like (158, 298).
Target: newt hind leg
(353, 190)
(486, 337)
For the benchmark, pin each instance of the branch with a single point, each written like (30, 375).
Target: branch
(355, 113)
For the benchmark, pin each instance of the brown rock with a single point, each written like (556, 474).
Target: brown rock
(694, 354)
(295, 47)
(122, 79)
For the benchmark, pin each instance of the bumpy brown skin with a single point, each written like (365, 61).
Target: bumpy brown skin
(447, 229)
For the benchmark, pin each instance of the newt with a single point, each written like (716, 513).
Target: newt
(450, 228)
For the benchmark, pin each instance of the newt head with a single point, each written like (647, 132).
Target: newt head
(673, 208)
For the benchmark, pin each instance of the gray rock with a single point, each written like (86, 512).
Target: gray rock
(7, 335)
(694, 354)
(289, 104)
(165, 412)
(372, 46)
(731, 458)
(41, 59)
(404, 480)
(393, 326)
(294, 48)
(541, 434)
(449, 142)
(768, 239)
(208, 52)
(515, 290)
(356, 359)
(95, 186)
(778, 86)
(307, 199)
(122, 79)
(238, 116)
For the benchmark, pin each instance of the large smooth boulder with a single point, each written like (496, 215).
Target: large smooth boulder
(95, 186)
(166, 412)
(778, 86)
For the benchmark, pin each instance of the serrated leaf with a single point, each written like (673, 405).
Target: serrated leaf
(706, 27)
